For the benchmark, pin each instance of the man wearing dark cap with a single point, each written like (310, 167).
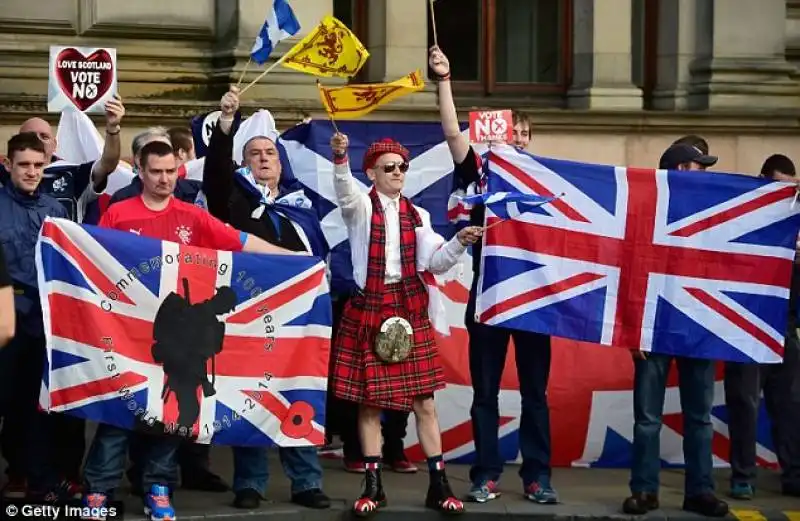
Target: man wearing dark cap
(693, 140)
(682, 156)
(385, 355)
(696, 387)
(780, 383)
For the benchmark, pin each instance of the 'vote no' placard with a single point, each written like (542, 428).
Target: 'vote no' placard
(491, 126)
(81, 77)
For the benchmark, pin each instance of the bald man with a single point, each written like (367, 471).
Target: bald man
(76, 186)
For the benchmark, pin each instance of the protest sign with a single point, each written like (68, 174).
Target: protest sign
(81, 77)
(491, 126)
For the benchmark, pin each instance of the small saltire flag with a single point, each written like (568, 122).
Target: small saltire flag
(331, 49)
(355, 101)
(507, 205)
(279, 25)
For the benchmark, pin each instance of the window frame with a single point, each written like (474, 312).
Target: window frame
(487, 85)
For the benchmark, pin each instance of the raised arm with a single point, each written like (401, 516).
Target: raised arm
(109, 159)
(347, 192)
(447, 107)
(219, 169)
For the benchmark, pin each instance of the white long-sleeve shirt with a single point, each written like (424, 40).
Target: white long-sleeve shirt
(434, 253)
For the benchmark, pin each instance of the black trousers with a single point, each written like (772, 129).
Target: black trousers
(37, 446)
(780, 384)
(342, 415)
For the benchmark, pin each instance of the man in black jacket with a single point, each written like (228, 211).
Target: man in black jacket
(253, 199)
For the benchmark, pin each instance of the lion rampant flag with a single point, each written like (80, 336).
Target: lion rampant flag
(331, 49)
(354, 101)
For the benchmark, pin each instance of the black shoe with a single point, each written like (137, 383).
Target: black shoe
(247, 498)
(373, 496)
(706, 505)
(314, 498)
(440, 496)
(205, 481)
(640, 503)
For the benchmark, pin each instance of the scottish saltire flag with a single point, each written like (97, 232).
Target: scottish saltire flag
(228, 348)
(685, 263)
(279, 25)
(507, 205)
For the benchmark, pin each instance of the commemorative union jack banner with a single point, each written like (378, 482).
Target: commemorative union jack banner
(678, 262)
(219, 347)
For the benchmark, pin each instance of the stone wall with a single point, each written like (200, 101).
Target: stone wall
(726, 69)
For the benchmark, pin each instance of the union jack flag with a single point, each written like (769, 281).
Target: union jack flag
(101, 291)
(685, 263)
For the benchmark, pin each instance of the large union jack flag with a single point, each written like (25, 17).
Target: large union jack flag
(686, 263)
(101, 291)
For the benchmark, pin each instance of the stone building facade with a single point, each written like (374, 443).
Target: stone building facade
(609, 81)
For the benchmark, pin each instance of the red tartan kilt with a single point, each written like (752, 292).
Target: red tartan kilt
(359, 376)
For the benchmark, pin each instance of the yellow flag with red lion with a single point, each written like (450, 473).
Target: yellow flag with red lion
(354, 101)
(329, 50)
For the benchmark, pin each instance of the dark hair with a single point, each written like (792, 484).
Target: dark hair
(518, 117)
(779, 163)
(181, 139)
(155, 148)
(694, 141)
(24, 141)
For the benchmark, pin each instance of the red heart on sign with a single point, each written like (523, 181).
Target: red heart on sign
(84, 79)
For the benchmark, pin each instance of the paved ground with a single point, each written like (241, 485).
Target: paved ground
(585, 493)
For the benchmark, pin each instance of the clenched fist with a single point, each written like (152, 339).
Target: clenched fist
(470, 235)
(339, 144)
(438, 62)
(229, 103)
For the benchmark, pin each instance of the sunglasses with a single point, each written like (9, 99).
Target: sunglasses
(389, 167)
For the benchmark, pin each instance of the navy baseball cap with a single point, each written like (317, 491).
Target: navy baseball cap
(679, 154)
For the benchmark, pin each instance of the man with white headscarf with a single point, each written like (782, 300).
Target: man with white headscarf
(253, 199)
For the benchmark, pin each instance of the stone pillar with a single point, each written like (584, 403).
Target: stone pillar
(602, 49)
(741, 62)
(397, 39)
(677, 33)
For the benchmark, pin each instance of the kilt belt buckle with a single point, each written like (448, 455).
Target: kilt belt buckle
(393, 341)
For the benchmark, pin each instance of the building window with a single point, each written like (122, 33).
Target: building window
(353, 13)
(505, 45)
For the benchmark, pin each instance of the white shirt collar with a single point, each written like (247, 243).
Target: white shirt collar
(385, 200)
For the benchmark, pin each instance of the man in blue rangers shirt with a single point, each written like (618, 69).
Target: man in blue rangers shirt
(75, 186)
(23, 209)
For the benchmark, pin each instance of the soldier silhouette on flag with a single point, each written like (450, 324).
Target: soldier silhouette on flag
(185, 337)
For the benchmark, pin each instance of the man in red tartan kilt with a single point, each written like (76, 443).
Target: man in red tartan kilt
(385, 355)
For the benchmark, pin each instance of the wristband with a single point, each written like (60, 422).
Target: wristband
(446, 77)
(113, 133)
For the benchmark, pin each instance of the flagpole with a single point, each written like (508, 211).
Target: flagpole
(241, 77)
(330, 116)
(433, 23)
(278, 62)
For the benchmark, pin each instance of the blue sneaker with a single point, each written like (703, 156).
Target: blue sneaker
(483, 491)
(742, 491)
(94, 507)
(541, 492)
(157, 504)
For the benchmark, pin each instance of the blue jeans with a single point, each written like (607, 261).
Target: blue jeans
(105, 463)
(488, 346)
(251, 468)
(696, 387)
